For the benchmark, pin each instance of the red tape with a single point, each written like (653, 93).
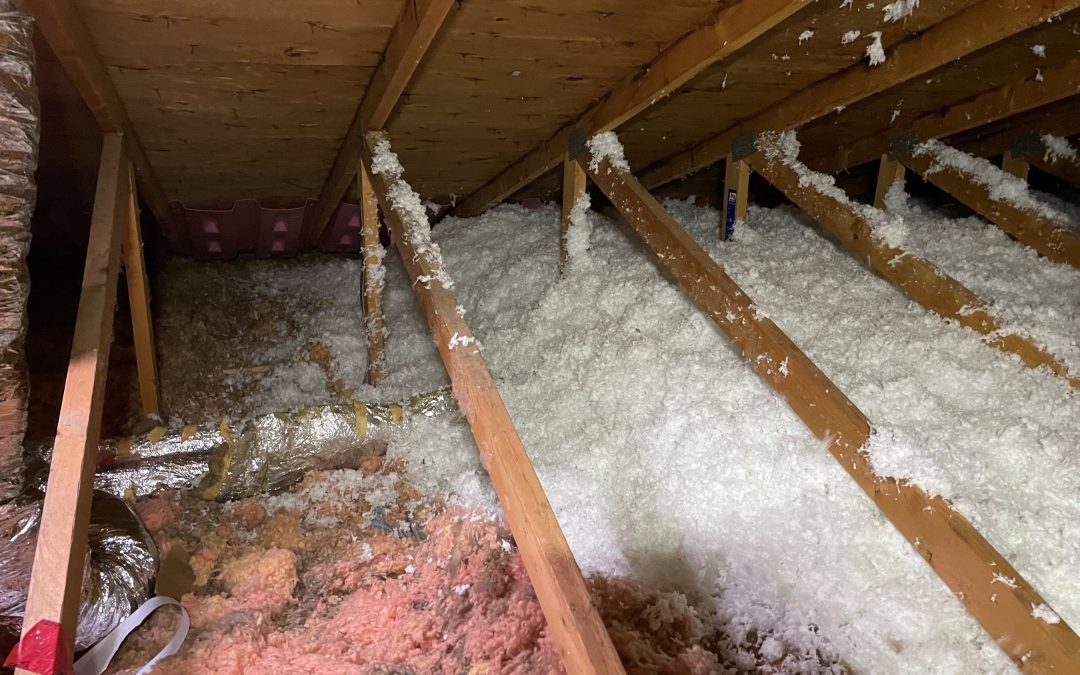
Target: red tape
(42, 650)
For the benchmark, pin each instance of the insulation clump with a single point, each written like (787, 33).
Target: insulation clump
(407, 203)
(606, 146)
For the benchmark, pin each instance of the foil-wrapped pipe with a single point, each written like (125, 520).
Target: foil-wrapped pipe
(121, 563)
(19, 135)
(272, 452)
(266, 454)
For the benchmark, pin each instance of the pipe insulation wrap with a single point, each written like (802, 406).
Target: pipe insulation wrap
(19, 135)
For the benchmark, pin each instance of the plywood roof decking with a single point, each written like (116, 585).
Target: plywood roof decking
(1005, 62)
(238, 99)
(760, 76)
(467, 115)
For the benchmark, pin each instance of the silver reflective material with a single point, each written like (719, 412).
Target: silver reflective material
(120, 565)
(272, 452)
(19, 132)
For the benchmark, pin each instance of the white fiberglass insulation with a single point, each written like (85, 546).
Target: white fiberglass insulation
(666, 458)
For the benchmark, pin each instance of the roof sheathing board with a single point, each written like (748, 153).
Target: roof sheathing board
(237, 99)
(506, 75)
(760, 76)
(1008, 61)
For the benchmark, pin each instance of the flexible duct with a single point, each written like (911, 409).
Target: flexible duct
(19, 134)
(269, 453)
(120, 565)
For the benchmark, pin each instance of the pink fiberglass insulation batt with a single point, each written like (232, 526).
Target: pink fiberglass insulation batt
(333, 577)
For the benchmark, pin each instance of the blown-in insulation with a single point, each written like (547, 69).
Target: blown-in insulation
(19, 134)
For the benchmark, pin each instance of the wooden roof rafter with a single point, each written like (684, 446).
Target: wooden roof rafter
(67, 34)
(733, 28)
(413, 35)
(964, 33)
(1047, 87)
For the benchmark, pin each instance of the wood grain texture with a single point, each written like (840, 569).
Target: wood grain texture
(889, 172)
(374, 324)
(1048, 85)
(72, 43)
(138, 289)
(235, 101)
(572, 618)
(734, 27)
(974, 28)
(56, 579)
(574, 183)
(962, 558)
(1056, 242)
(919, 279)
(413, 34)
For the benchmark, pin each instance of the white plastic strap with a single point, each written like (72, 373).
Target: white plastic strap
(95, 661)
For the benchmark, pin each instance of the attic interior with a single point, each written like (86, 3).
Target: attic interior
(566, 336)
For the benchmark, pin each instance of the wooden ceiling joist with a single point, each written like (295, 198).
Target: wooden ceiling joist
(1042, 89)
(733, 28)
(575, 625)
(962, 558)
(64, 29)
(919, 279)
(970, 30)
(413, 34)
(1056, 242)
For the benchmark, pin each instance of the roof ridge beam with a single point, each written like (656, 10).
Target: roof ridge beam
(733, 28)
(409, 42)
(964, 33)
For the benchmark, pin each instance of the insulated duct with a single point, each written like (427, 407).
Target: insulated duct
(266, 454)
(19, 134)
(120, 565)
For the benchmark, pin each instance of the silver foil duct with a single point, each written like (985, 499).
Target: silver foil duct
(120, 565)
(19, 134)
(266, 454)
(272, 452)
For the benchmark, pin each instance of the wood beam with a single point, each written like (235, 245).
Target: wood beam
(1066, 170)
(919, 279)
(966, 32)
(64, 29)
(138, 288)
(995, 138)
(1015, 165)
(574, 622)
(962, 558)
(573, 189)
(1056, 243)
(996, 104)
(736, 198)
(56, 580)
(413, 35)
(889, 172)
(733, 28)
(374, 277)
